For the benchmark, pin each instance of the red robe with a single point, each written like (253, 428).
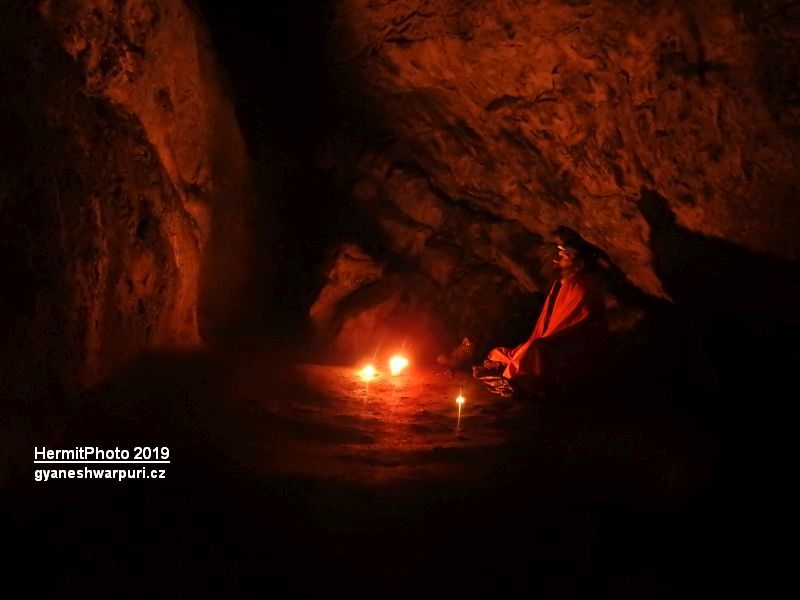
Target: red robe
(559, 345)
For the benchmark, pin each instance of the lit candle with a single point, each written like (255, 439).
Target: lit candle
(460, 402)
(397, 363)
(367, 373)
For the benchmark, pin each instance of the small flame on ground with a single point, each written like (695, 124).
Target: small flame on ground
(397, 363)
(367, 373)
(460, 402)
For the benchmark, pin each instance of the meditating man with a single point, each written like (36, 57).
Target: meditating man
(569, 328)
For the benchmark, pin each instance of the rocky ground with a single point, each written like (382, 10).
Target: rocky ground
(300, 477)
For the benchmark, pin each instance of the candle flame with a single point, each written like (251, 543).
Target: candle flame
(367, 373)
(460, 400)
(397, 363)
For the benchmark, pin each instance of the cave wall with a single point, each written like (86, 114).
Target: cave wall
(124, 187)
(474, 116)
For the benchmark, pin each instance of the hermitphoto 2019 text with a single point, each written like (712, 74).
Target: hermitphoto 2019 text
(94, 453)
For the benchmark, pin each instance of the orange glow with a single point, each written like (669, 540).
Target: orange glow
(460, 400)
(397, 363)
(367, 373)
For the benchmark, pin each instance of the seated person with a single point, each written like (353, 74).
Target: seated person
(570, 326)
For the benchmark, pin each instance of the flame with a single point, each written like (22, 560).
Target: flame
(367, 373)
(397, 363)
(460, 400)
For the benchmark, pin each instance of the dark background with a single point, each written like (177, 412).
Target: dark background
(273, 54)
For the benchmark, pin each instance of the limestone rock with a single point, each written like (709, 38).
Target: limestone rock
(521, 253)
(488, 305)
(556, 113)
(400, 234)
(440, 260)
(125, 169)
(349, 270)
(412, 194)
(395, 314)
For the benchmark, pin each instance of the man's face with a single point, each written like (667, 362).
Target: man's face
(567, 260)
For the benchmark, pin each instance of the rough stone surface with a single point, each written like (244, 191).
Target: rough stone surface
(363, 309)
(489, 305)
(440, 260)
(122, 166)
(554, 112)
(350, 269)
(397, 313)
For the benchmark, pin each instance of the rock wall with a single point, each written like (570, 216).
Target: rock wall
(479, 122)
(124, 186)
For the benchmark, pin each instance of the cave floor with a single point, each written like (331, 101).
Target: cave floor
(301, 478)
(323, 421)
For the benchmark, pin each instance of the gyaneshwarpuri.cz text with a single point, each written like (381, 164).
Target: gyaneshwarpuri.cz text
(87, 473)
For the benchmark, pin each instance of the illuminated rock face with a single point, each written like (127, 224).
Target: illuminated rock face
(350, 269)
(122, 165)
(656, 130)
(560, 112)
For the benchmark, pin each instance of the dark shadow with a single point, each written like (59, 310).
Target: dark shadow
(742, 304)
(737, 323)
(285, 106)
(723, 349)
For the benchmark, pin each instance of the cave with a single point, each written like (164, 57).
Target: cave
(220, 221)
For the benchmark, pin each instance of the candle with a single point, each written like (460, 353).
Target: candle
(397, 363)
(367, 373)
(460, 402)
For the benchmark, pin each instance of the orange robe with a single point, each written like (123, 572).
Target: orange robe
(561, 345)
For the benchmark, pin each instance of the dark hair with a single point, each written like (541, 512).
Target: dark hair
(583, 250)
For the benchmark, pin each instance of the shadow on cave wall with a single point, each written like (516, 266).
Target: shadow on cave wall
(274, 61)
(736, 308)
(724, 349)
